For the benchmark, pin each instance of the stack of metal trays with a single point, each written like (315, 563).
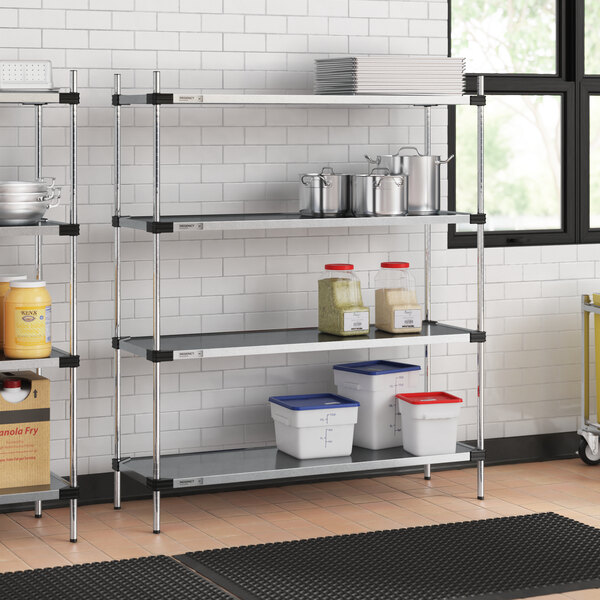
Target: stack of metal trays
(390, 75)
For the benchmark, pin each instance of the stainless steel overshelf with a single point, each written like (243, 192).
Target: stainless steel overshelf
(275, 341)
(58, 358)
(42, 228)
(179, 223)
(30, 97)
(258, 464)
(293, 99)
(31, 494)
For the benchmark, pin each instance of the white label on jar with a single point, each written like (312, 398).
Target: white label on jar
(407, 319)
(356, 321)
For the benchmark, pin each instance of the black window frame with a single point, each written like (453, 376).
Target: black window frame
(570, 83)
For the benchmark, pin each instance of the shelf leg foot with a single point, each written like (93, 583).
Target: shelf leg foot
(73, 520)
(38, 509)
(117, 491)
(156, 520)
(427, 472)
(480, 486)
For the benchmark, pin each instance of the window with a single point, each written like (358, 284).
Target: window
(531, 53)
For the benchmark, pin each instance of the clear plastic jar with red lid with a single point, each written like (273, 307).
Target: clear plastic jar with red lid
(341, 309)
(396, 307)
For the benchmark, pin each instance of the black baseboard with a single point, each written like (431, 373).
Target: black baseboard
(98, 487)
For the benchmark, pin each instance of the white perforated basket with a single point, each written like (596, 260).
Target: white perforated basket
(25, 75)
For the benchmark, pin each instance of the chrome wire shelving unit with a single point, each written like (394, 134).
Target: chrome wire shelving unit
(60, 488)
(200, 469)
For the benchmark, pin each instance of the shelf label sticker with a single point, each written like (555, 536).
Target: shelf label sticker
(189, 98)
(187, 354)
(356, 321)
(407, 319)
(189, 482)
(188, 226)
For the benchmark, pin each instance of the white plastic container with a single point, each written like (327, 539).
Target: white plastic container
(374, 384)
(14, 390)
(314, 425)
(430, 422)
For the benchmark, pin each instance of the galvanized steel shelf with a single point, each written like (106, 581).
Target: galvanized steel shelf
(325, 100)
(200, 469)
(181, 223)
(58, 358)
(58, 488)
(237, 466)
(277, 341)
(44, 227)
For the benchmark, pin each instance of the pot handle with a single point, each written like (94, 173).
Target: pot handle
(399, 181)
(409, 148)
(53, 198)
(385, 170)
(330, 169)
(372, 161)
(49, 181)
(306, 181)
(444, 162)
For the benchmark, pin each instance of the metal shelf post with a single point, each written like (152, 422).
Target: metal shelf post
(117, 330)
(480, 290)
(156, 310)
(73, 315)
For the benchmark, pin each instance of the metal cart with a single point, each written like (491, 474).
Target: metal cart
(589, 446)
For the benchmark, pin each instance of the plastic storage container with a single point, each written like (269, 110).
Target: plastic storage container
(396, 306)
(374, 384)
(4, 287)
(341, 309)
(314, 425)
(27, 320)
(430, 422)
(14, 390)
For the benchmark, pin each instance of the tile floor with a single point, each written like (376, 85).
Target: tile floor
(200, 522)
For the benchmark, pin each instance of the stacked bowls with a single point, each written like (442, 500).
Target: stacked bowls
(26, 202)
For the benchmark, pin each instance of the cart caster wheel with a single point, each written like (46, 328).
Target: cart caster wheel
(586, 454)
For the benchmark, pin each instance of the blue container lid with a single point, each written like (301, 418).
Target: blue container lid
(377, 367)
(313, 401)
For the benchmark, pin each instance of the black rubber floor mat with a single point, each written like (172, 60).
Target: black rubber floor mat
(152, 577)
(505, 558)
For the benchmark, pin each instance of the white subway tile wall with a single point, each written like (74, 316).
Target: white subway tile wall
(219, 160)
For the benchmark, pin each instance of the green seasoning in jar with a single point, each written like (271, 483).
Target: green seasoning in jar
(341, 310)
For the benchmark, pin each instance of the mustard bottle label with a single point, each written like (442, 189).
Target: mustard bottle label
(33, 325)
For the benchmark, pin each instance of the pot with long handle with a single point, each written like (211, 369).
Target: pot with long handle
(423, 173)
(325, 194)
(379, 195)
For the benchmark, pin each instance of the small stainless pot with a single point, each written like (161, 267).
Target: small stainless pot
(423, 174)
(375, 195)
(325, 194)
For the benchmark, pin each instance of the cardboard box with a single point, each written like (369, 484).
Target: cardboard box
(25, 434)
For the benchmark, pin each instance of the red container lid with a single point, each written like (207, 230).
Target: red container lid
(339, 267)
(12, 384)
(429, 398)
(395, 265)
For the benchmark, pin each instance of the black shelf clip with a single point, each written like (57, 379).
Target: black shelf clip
(478, 100)
(157, 356)
(69, 362)
(159, 227)
(116, 221)
(115, 343)
(157, 485)
(478, 219)
(68, 493)
(68, 97)
(116, 463)
(159, 98)
(69, 229)
(477, 337)
(478, 454)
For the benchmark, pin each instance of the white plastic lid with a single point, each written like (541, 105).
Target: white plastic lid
(27, 284)
(9, 278)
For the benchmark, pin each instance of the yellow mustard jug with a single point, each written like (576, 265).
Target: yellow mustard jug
(27, 320)
(4, 287)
